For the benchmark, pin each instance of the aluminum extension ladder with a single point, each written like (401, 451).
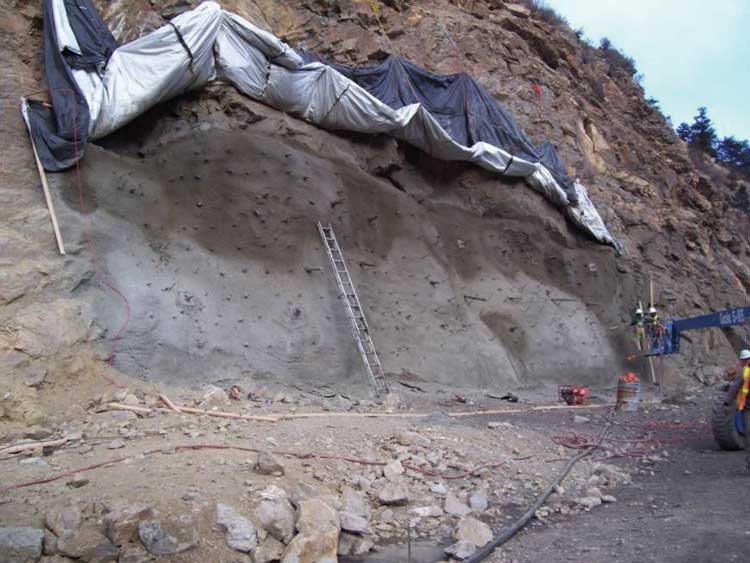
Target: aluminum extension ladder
(354, 309)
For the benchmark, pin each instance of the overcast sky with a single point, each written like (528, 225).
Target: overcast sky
(692, 52)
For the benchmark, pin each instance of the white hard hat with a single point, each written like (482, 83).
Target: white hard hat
(652, 310)
(745, 355)
(639, 311)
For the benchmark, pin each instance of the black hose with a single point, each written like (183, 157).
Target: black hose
(516, 526)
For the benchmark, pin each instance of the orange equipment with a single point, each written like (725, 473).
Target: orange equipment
(629, 377)
(573, 394)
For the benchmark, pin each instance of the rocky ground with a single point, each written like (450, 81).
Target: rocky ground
(302, 489)
(196, 226)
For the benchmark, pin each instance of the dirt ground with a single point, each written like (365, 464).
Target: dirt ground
(692, 510)
(676, 501)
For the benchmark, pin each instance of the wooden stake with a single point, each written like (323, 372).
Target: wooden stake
(653, 373)
(220, 414)
(293, 416)
(33, 446)
(651, 289)
(169, 403)
(48, 197)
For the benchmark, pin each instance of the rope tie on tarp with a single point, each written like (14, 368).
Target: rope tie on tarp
(336, 101)
(181, 39)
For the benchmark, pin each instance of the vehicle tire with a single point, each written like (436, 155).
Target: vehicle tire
(723, 426)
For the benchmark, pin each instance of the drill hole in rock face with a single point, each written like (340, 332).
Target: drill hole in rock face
(228, 280)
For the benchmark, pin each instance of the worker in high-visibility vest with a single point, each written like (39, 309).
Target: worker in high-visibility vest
(740, 386)
(738, 392)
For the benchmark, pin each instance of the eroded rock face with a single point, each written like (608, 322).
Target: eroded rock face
(488, 239)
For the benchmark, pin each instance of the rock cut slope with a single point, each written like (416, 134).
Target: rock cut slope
(203, 214)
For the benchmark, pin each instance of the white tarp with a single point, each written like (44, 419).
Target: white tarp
(224, 46)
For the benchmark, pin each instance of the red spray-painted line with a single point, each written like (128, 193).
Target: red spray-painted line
(99, 274)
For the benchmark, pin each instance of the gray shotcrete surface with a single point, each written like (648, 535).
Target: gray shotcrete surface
(209, 231)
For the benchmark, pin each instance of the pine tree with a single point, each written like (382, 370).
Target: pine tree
(734, 154)
(683, 132)
(702, 133)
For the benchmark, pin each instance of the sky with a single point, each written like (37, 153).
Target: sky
(692, 52)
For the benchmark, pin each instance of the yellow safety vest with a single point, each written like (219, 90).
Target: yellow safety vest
(745, 389)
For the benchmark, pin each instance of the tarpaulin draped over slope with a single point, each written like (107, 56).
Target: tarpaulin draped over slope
(98, 87)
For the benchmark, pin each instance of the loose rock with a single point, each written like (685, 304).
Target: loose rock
(461, 550)
(478, 502)
(19, 545)
(87, 543)
(318, 538)
(269, 550)
(240, 533)
(394, 493)
(63, 521)
(427, 511)
(473, 531)
(354, 523)
(588, 502)
(354, 502)
(121, 523)
(454, 506)
(275, 514)
(350, 544)
(168, 537)
(268, 465)
(134, 555)
(393, 470)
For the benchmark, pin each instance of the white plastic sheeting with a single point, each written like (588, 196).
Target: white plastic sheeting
(224, 46)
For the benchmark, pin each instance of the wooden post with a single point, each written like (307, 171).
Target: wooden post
(48, 197)
(651, 290)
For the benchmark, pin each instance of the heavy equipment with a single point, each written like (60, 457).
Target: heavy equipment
(727, 423)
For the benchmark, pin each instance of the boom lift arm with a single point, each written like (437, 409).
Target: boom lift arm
(669, 343)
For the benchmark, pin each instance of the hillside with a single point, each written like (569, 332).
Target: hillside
(183, 385)
(202, 215)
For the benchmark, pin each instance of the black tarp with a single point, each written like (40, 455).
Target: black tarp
(60, 132)
(464, 109)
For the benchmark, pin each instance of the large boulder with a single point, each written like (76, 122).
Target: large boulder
(275, 514)
(318, 538)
